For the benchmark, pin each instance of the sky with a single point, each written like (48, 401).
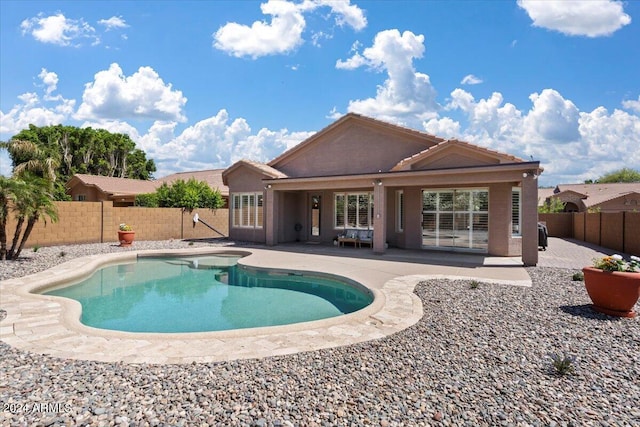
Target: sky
(202, 84)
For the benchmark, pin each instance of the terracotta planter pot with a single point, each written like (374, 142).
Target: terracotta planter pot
(612, 292)
(126, 237)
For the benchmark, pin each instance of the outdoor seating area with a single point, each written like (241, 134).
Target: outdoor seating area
(357, 237)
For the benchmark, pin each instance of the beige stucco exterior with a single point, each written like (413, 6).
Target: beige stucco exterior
(357, 154)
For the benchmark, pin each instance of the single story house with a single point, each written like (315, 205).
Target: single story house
(611, 197)
(123, 191)
(414, 190)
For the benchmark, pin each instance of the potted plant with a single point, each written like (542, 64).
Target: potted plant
(613, 285)
(125, 234)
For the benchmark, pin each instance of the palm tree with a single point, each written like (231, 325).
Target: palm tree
(7, 197)
(37, 204)
(21, 196)
(29, 192)
(33, 159)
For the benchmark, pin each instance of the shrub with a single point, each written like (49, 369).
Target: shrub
(562, 364)
(148, 200)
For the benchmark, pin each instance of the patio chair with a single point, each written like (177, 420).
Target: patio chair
(365, 237)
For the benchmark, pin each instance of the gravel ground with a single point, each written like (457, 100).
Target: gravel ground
(480, 356)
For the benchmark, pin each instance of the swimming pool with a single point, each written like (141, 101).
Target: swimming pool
(207, 293)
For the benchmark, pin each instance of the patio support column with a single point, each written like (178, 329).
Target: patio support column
(270, 216)
(379, 220)
(529, 221)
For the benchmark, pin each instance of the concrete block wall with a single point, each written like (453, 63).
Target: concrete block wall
(97, 222)
(77, 223)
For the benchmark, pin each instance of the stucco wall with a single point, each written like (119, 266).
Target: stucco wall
(351, 149)
(625, 203)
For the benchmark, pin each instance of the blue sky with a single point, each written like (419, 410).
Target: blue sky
(200, 85)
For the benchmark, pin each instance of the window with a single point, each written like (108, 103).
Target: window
(457, 218)
(353, 210)
(246, 210)
(516, 214)
(82, 197)
(399, 211)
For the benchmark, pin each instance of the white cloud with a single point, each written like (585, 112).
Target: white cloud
(553, 118)
(444, 127)
(571, 145)
(592, 18)
(114, 126)
(470, 79)
(59, 30)
(615, 136)
(215, 142)
(113, 22)
(406, 96)
(632, 105)
(143, 95)
(346, 13)
(50, 80)
(49, 110)
(284, 33)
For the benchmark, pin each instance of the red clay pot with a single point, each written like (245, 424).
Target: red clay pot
(126, 237)
(612, 292)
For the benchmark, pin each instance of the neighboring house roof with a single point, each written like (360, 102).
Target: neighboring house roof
(355, 118)
(213, 177)
(113, 186)
(457, 149)
(591, 194)
(544, 194)
(261, 168)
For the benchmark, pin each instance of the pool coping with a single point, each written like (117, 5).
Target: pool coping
(50, 325)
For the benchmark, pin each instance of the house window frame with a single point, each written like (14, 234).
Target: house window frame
(516, 219)
(250, 206)
(82, 198)
(358, 209)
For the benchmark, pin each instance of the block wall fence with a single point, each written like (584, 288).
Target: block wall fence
(619, 231)
(97, 222)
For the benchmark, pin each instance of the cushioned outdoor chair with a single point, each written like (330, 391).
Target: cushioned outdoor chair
(365, 237)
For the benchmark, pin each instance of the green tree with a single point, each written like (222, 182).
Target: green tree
(621, 175)
(188, 195)
(553, 205)
(87, 150)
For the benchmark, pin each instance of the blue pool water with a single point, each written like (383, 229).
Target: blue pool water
(206, 293)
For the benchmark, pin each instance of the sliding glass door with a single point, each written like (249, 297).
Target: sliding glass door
(455, 219)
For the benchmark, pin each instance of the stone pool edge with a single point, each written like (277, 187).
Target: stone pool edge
(50, 325)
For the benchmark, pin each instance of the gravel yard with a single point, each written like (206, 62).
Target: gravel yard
(480, 356)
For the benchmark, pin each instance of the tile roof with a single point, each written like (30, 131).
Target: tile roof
(262, 168)
(446, 143)
(213, 177)
(599, 193)
(126, 186)
(115, 186)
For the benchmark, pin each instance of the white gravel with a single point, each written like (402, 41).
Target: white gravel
(478, 357)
